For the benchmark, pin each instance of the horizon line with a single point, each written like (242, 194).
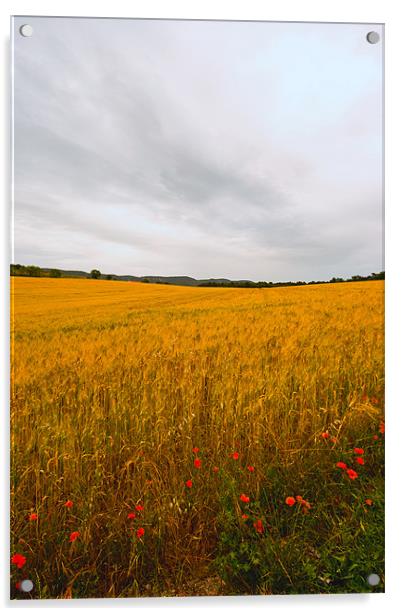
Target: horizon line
(202, 279)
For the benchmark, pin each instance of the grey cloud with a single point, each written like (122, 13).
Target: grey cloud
(135, 144)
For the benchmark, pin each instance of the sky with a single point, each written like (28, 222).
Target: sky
(244, 150)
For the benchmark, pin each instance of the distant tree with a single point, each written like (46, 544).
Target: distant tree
(109, 277)
(145, 280)
(379, 276)
(33, 270)
(95, 274)
(55, 273)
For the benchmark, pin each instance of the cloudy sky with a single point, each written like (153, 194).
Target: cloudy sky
(209, 149)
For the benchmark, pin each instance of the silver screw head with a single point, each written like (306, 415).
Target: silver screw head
(373, 579)
(26, 585)
(26, 30)
(373, 37)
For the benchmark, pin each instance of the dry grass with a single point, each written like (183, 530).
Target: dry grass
(114, 383)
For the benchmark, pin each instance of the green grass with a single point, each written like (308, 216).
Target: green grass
(331, 548)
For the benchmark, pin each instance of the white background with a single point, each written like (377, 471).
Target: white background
(374, 11)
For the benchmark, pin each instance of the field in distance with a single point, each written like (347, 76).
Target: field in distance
(185, 440)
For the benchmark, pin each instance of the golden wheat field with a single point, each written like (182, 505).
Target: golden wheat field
(144, 416)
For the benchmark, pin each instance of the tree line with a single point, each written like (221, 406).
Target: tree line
(33, 271)
(262, 284)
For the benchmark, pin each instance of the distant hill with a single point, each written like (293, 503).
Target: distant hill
(45, 272)
(186, 281)
(177, 280)
(64, 273)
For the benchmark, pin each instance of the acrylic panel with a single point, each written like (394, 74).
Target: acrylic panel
(197, 294)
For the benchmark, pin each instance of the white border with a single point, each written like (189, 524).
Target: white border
(384, 11)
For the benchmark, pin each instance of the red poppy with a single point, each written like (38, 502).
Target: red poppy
(299, 499)
(17, 585)
(189, 483)
(244, 516)
(333, 439)
(369, 502)
(215, 469)
(33, 517)
(196, 450)
(235, 455)
(251, 468)
(290, 500)
(68, 504)
(325, 435)
(244, 498)
(375, 437)
(341, 465)
(374, 400)
(140, 532)
(19, 560)
(74, 536)
(139, 507)
(352, 474)
(197, 463)
(131, 515)
(360, 461)
(381, 427)
(359, 451)
(259, 526)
